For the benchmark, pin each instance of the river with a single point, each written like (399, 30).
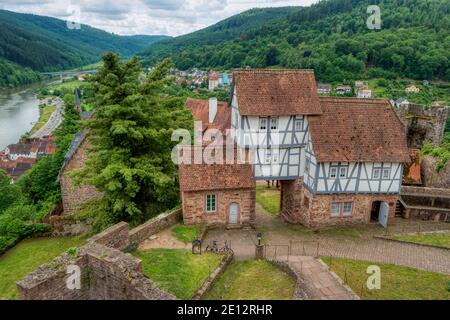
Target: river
(19, 111)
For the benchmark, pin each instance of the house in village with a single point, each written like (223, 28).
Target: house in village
(324, 89)
(213, 80)
(364, 94)
(339, 160)
(412, 89)
(342, 90)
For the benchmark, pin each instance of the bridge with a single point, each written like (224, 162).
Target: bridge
(68, 73)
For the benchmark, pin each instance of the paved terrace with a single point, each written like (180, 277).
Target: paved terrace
(351, 243)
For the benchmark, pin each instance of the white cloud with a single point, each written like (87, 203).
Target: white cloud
(171, 17)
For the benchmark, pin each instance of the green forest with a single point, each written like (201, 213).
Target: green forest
(46, 44)
(330, 37)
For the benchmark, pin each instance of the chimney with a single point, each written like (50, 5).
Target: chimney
(212, 109)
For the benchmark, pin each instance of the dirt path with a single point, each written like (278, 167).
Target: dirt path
(164, 240)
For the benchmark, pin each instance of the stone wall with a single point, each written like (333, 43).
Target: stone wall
(117, 237)
(423, 124)
(120, 237)
(67, 226)
(314, 211)
(194, 208)
(206, 286)
(74, 197)
(153, 226)
(106, 274)
(430, 177)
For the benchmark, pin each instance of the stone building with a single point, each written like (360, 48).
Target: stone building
(339, 160)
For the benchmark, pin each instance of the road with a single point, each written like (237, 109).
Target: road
(53, 123)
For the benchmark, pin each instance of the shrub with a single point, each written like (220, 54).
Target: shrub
(6, 243)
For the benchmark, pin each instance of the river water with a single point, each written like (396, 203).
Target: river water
(19, 111)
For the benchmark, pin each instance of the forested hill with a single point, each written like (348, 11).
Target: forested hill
(30, 42)
(330, 37)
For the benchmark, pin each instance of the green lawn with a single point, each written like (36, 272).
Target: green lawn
(178, 271)
(397, 282)
(438, 239)
(186, 234)
(27, 256)
(269, 199)
(253, 280)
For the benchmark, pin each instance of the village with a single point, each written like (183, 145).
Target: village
(305, 197)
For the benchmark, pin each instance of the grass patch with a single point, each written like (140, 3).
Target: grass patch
(186, 234)
(45, 113)
(269, 199)
(397, 282)
(253, 280)
(178, 271)
(27, 256)
(438, 239)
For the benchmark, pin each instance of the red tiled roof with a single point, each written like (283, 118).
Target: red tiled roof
(276, 92)
(364, 130)
(200, 111)
(203, 177)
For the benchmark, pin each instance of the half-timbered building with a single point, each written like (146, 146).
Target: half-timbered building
(339, 160)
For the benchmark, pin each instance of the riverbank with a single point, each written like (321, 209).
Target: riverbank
(45, 112)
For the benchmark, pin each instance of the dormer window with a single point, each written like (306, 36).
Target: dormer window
(273, 124)
(333, 172)
(262, 124)
(299, 125)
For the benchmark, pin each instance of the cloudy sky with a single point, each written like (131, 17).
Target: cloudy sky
(170, 17)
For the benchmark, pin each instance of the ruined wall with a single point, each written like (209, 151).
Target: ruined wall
(155, 225)
(430, 177)
(194, 209)
(423, 124)
(106, 273)
(67, 226)
(74, 197)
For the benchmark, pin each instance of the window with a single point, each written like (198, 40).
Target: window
(268, 158)
(299, 125)
(341, 209)
(273, 123)
(348, 209)
(333, 173)
(211, 203)
(336, 209)
(386, 174)
(307, 165)
(263, 124)
(343, 173)
(376, 173)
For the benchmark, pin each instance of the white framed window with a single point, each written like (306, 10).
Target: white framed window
(386, 174)
(268, 157)
(343, 172)
(273, 124)
(211, 202)
(333, 172)
(299, 125)
(376, 173)
(347, 210)
(263, 124)
(336, 209)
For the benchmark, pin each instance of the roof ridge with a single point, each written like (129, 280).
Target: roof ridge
(348, 99)
(260, 70)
